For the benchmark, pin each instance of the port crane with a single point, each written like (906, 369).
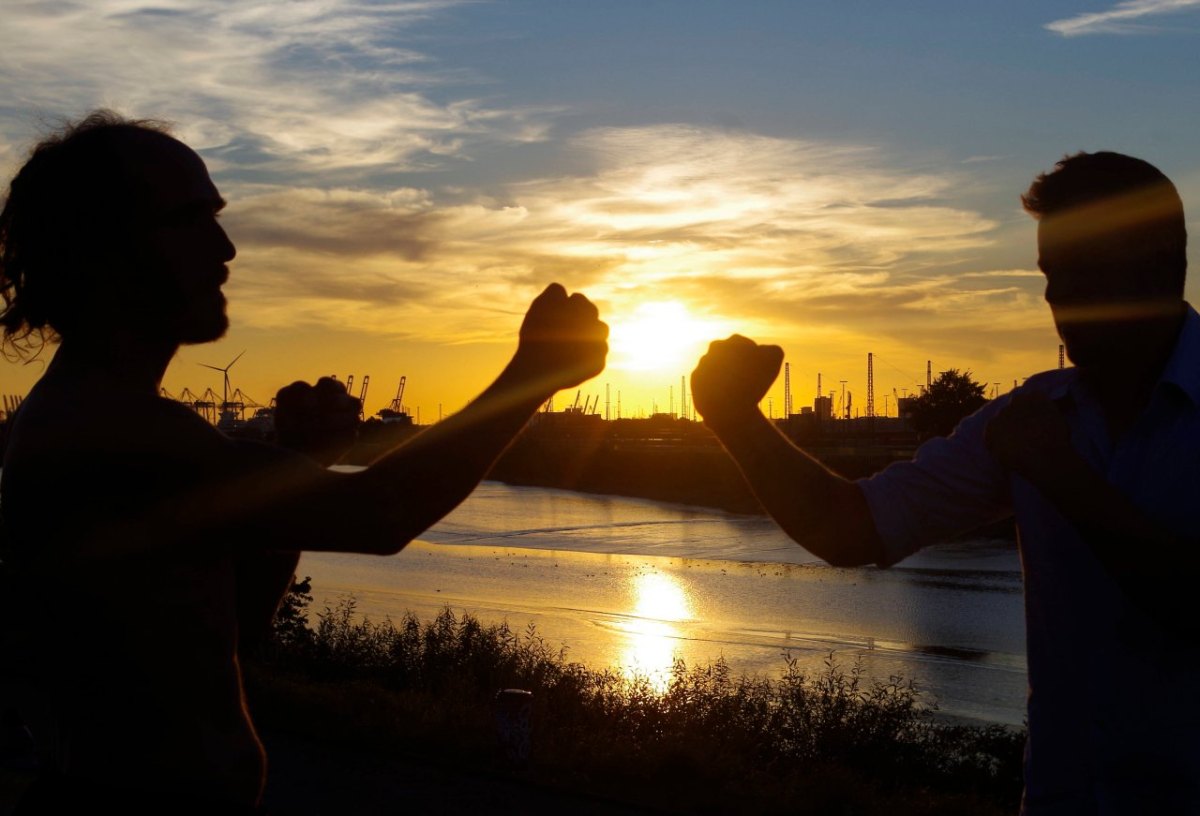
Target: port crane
(206, 406)
(394, 412)
(397, 404)
(362, 394)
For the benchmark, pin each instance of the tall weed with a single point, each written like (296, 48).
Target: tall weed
(711, 739)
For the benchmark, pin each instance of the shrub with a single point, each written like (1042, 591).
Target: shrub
(711, 739)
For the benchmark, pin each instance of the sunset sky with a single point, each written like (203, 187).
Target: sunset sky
(404, 177)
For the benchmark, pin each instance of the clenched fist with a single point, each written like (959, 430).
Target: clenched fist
(732, 379)
(562, 343)
(318, 420)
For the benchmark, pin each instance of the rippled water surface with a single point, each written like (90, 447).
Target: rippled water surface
(634, 584)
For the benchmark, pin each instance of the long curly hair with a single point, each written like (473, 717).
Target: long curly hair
(67, 210)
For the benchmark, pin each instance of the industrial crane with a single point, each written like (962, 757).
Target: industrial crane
(394, 413)
(362, 394)
(397, 402)
(206, 406)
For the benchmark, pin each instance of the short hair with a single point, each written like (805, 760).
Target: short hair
(67, 210)
(1106, 194)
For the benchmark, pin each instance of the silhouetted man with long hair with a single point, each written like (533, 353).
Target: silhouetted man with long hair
(140, 545)
(1099, 463)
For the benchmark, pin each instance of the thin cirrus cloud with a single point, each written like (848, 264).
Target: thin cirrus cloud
(318, 90)
(761, 229)
(312, 116)
(1121, 19)
(749, 226)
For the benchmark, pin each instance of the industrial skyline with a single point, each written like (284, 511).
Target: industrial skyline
(786, 397)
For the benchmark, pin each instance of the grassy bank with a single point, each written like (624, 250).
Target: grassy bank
(830, 742)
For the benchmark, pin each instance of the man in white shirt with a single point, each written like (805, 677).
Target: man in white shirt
(1099, 463)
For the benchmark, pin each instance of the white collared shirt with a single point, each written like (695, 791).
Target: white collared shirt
(1114, 700)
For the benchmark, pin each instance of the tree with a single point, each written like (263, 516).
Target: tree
(949, 398)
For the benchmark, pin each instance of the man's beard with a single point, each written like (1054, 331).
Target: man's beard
(195, 332)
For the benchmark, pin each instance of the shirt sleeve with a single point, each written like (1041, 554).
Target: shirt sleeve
(952, 485)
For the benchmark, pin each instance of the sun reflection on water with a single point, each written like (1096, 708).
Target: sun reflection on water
(660, 602)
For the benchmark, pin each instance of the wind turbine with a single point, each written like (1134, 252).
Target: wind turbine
(225, 371)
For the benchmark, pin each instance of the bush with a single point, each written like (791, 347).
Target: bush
(710, 740)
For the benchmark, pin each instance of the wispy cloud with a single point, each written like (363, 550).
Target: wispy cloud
(323, 119)
(326, 91)
(1120, 19)
(755, 228)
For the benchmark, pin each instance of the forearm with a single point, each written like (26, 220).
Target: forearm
(561, 343)
(419, 482)
(823, 512)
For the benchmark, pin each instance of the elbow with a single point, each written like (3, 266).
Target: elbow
(381, 545)
(831, 519)
(381, 536)
(840, 544)
(849, 554)
(373, 530)
(848, 560)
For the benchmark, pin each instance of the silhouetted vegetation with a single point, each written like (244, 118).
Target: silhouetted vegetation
(949, 398)
(712, 741)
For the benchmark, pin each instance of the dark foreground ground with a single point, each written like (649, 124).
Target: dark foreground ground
(311, 778)
(307, 779)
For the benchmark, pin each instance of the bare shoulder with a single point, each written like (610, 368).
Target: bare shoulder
(59, 422)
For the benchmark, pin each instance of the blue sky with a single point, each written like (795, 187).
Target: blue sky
(836, 177)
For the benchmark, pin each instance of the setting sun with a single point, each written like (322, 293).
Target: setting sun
(661, 336)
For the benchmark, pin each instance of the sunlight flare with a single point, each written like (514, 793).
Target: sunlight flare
(659, 603)
(660, 597)
(661, 336)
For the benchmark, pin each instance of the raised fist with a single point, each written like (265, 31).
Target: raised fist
(562, 341)
(319, 420)
(732, 379)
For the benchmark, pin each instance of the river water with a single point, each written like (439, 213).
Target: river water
(632, 584)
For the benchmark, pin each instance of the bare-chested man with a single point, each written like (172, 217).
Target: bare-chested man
(139, 543)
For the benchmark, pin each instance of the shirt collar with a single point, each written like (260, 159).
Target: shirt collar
(1183, 366)
(1182, 369)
